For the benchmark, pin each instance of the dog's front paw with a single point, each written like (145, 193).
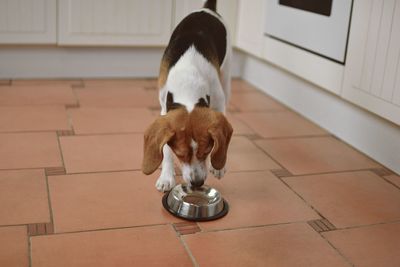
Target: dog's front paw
(218, 173)
(165, 183)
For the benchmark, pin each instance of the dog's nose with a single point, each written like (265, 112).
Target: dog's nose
(197, 183)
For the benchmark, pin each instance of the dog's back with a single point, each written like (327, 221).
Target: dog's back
(196, 61)
(204, 31)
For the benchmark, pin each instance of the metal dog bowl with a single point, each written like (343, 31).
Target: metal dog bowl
(195, 203)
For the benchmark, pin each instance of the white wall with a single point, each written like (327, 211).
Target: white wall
(84, 62)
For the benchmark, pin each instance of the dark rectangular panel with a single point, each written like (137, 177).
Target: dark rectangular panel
(322, 7)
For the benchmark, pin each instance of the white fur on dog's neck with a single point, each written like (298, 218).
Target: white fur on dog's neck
(193, 77)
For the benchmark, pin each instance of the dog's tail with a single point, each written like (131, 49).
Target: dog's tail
(211, 4)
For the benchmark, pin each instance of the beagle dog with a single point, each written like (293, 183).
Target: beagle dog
(194, 85)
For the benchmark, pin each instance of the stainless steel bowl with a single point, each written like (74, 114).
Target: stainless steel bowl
(195, 203)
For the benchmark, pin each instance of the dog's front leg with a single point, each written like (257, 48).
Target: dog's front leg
(166, 181)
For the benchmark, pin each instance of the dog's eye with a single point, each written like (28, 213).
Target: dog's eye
(184, 156)
(202, 153)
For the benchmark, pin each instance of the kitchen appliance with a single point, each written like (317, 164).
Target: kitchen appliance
(318, 26)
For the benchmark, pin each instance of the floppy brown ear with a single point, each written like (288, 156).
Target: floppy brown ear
(221, 133)
(155, 137)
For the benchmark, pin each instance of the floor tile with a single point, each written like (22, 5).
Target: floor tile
(241, 86)
(37, 95)
(121, 96)
(34, 82)
(395, 179)
(145, 83)
(243, 155)
(14, 247)
(44, 118)
(315, 155)
(144, 246)
(278, 246)
(110, 120)
(370, 246)
(29, 150)
(255, 101)
(105, 200)
(5, 82)
(349, 199)
(279, 124)
(239, 128)
(23, 197)
(257, 198)
(102, 152)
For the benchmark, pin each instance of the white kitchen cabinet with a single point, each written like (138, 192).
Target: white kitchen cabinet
(250, 26)
(114, 23)
(250, 37)
(318, 70)
(28, 21)
(372, 72)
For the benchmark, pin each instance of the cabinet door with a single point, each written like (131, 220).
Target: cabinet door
(117, 22)
(372, 72)
(28, 22)
(250, 27)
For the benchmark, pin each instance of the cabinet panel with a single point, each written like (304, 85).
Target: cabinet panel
(372, 70)
(28, 21)
(250, 27)
(118, 22)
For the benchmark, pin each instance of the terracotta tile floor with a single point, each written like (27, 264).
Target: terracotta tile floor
(72, 194)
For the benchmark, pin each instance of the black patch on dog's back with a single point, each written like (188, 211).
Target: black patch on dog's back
(204, 31)
(171, 105)
(203, 103)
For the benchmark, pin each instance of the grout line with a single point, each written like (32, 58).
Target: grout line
(337, 250)
(61, 152)
(33, 131)
(69, 120)
(294, 137)
(212, 230)
(188, 251)
(390, 182)
(239, 171)
(110, 229)
(328, 172)
(266, 153)
(29, 248)
(5, 82)
(301, 197)
(71, 129)
(77, 103)
(251, 227)
(112, 134)
(367, 225)
(49, 202)
(29, 251)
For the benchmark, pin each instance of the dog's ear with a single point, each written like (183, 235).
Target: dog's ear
(221, 133)
(156, 136)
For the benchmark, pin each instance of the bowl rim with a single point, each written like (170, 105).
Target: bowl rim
(223, 212)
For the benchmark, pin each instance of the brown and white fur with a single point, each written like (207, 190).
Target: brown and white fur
(194, 85)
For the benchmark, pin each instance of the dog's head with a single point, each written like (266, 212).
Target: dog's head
(192, 136)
